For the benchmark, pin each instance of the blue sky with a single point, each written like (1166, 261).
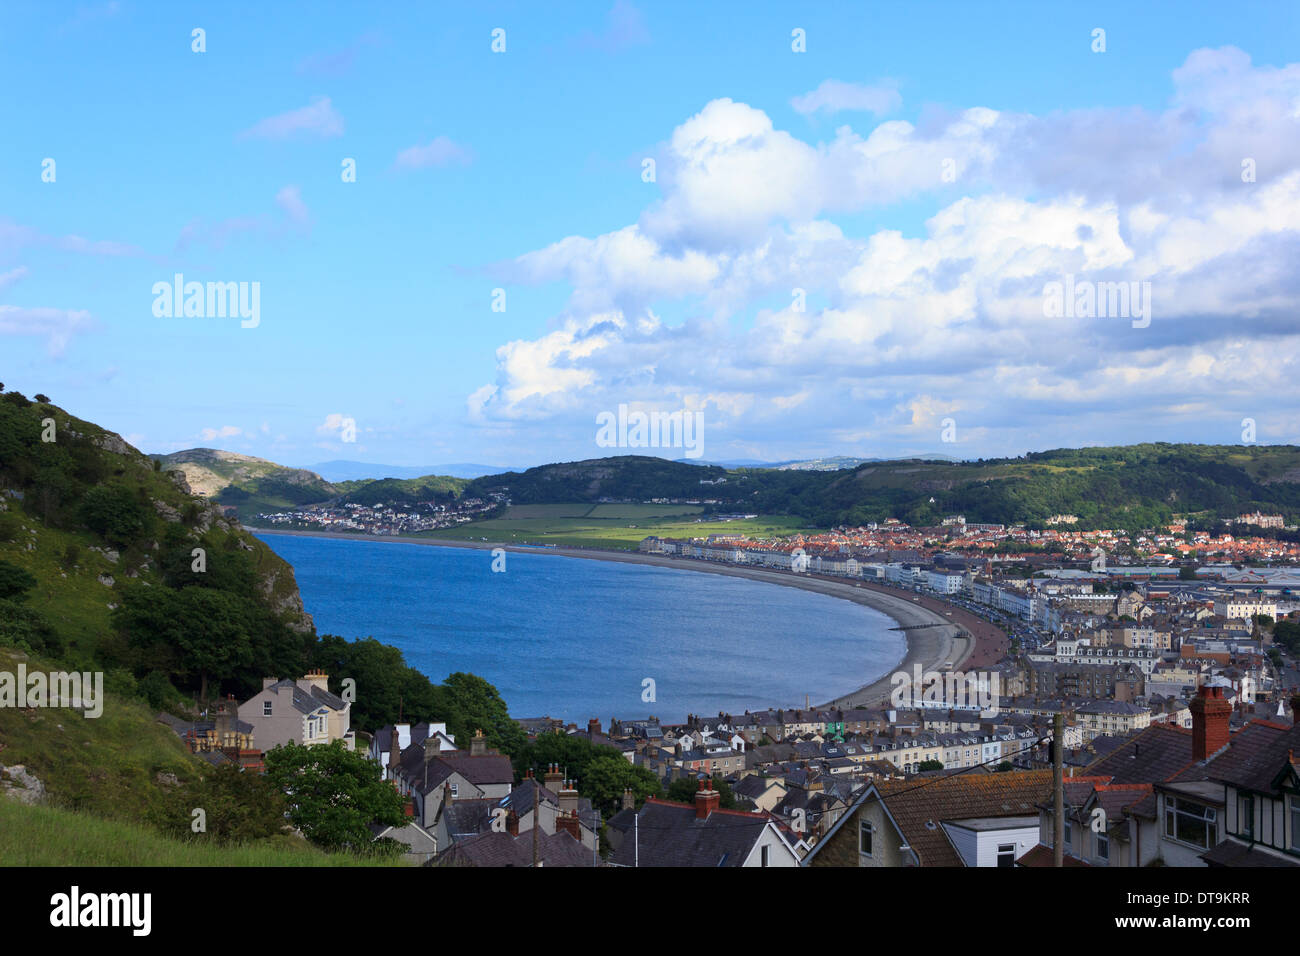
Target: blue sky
(775, 170)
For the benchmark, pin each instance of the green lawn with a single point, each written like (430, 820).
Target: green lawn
(616, 526)
(50, 836)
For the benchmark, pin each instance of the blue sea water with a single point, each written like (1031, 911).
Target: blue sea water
(574, 639)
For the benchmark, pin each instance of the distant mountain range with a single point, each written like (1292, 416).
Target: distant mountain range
(834, 463)
(1134, 486)
(359, 470)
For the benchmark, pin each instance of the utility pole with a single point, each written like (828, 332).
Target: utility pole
(1058, 791)
(537, 825)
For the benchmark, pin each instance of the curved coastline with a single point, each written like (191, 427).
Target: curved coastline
(934, 636)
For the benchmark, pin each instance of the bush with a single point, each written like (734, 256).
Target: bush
(14, 582)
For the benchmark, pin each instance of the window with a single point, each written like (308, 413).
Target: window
(1103, 847)
(1006, 854)
(1246, 815)
(1067, 839)
(266, 708)
(865, 834)
(1295, 821)
(1191, 823)
(767, 856)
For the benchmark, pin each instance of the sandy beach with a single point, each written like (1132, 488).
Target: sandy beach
(935, 634)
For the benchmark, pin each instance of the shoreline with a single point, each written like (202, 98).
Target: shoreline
(933, 636)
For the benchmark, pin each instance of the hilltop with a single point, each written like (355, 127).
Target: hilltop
(254, 486)
(1134, 486)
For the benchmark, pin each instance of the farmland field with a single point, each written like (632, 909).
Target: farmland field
(619, 526)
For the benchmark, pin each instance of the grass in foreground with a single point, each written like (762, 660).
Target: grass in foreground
(49, 836)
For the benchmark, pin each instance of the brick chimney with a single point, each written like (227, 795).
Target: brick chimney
(706, 800)
(568, 798)
(553, 778)
(478, 744)
(593, 726)
(1210, 714)
(569, 823)
(431, 748)
(394, 750)
(629, 801)
(1295, 708)
(512, 822)
(409, 808)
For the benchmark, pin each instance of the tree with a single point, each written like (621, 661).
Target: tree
(334, 794)
(14, 581)
(607, 775)
(683, 790)
(1187, 573)
(113, 513)
(472, 704)
(43, 399)
(238, 807)
(930, 765)
(387, 688)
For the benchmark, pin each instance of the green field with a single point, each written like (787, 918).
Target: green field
(616, 526)
(52, 836)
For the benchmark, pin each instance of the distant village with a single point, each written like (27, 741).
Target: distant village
(1179, 716)
(384, 519)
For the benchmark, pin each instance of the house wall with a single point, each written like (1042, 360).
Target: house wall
(779, 852)
(980, 847)
(841, 849)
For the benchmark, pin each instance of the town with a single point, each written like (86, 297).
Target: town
(1175, 688)
(384, 519)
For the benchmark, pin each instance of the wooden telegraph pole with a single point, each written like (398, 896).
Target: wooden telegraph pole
(1058, 791)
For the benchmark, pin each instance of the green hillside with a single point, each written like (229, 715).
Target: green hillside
(440, 489)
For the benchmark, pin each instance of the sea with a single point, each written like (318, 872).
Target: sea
(575, 639)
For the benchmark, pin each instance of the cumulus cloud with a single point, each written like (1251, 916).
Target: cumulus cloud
(318, 118)
(790, 323)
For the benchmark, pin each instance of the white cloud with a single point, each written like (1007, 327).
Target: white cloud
(834, 96)
(225, 431)
(57, 326)
(441, 151)
(901, 330)
(318, 118)
(289, 199)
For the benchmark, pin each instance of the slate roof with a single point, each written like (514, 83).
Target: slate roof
(504, 849)
(481, 770)
(1259, 753)
(668, 834)
(1158, 752)
(308, 702)
(1235, 854)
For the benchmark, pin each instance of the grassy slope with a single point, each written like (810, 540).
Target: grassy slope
(108, 765)
(50, 836)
